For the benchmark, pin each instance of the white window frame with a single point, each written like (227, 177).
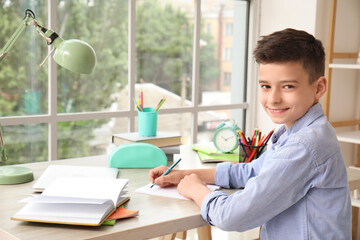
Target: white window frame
(52, 118)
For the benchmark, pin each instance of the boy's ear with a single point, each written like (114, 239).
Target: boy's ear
(321, 85)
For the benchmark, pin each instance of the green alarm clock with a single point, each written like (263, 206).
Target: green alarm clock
(226, 137)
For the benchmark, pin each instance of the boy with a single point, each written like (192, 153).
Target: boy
(298, 188)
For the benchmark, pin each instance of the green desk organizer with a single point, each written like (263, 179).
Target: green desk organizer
(137, 155)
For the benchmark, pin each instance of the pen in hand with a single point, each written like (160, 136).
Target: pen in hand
(168, 170)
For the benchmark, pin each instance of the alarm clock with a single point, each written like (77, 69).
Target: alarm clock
(226, 137)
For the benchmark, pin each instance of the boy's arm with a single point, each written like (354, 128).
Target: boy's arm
(175, 176)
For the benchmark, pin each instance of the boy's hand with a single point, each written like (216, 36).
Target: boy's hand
(194, 188)
(173, 178)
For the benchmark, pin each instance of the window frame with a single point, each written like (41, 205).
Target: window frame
(53, 117)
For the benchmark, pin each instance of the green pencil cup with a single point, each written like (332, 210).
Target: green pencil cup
(147, 122)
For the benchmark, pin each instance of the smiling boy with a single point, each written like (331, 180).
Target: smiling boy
(298, 188)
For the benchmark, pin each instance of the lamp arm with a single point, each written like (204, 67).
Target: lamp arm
(15, 35)
(29, 19)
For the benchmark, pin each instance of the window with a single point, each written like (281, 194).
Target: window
(50, 113)
(228, 29)
(227, 54)
(227, 79)
(208, 28)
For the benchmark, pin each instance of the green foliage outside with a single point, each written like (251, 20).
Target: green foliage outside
(164, 38)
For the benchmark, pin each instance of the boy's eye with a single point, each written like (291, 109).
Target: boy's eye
(263, 86)
(288, 86)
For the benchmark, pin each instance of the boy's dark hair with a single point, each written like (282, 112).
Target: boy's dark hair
(292, 45)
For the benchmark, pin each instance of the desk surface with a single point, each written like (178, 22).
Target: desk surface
(157, 215)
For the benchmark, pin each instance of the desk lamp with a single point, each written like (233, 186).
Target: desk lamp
(74, 55)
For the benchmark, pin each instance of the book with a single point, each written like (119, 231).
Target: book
(75, 201)
(170, 151)
(54, 172)
(120, 213)
(123, 213)
(162, 139)
(208, 153)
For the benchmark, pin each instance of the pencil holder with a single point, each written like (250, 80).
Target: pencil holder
(147, 122)
(247, 153)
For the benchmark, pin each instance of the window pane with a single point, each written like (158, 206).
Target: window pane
(223, 52)
(164, 50)
(25, 143)
(87, 138)
(23, 83)
(104, 25)
(210, 119)
(179, 123)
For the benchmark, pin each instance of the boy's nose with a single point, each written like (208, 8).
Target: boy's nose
(274, 96)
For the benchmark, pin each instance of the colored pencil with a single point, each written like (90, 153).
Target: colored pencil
(141, 99)
(138, 106)
(162, 100)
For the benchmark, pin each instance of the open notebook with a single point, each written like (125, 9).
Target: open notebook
(53, 172)
(76, 201)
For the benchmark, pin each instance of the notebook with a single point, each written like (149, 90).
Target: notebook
(75, 201)
(162, 139)
(62, 171)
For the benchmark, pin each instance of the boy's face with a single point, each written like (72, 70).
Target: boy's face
(286, 93)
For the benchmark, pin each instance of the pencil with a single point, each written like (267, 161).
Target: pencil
(244, 148)
(267, 136)
(141, 99)
(266, 140)
(243, 136)
(162, 100)
(168, 170)
(138, 106)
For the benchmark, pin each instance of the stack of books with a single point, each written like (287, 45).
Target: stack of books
(166, 141)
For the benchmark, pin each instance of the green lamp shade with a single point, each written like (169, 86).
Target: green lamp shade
(15, 175)
(76, 55)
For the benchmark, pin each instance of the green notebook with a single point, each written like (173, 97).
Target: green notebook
(211, 154)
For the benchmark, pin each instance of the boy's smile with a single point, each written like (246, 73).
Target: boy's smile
(286, 93)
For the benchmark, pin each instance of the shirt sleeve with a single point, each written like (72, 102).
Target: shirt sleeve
(285, 177)
(228, 176)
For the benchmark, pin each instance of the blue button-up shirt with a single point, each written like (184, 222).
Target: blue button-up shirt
(297, 189)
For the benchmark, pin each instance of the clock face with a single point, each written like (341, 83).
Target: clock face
(225, 140)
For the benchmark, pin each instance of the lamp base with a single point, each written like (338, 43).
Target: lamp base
(15, 175)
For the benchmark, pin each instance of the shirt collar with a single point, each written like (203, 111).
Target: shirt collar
(310, 116)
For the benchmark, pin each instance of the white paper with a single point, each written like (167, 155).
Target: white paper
(100, 188)
(63, 171)
(168, 191)
(55, 199)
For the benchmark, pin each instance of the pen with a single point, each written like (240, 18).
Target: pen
(168, 170)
